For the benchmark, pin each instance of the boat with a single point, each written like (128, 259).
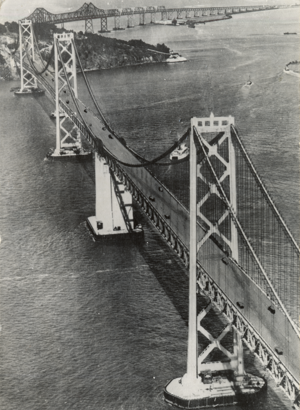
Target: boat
(289, 33)
(180, 153)
(249, 83)
(175, 58)
(61, 114)
(29, 91)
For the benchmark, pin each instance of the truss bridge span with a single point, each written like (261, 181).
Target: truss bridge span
(255, 305)
(89, 12)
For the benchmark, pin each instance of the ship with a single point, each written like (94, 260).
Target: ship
(249, 83)
(180, 153)
(175, 58)
(29, 91)
(61, 114)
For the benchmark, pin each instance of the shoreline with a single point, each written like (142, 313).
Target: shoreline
(86, 70)
(291, 72)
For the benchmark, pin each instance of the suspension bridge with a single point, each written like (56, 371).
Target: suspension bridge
(146, 15)
(248, 266)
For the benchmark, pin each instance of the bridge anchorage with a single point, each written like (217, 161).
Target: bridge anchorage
(212, 383)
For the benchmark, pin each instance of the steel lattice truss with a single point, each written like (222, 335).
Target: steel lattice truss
(89, 10)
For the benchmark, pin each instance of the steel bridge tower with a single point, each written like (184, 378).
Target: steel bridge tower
(198, 386)
(68, 136)
(89, 28)
(28, 81)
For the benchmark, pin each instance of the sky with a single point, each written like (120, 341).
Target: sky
(13, 10)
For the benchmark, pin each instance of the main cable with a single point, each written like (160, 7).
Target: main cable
(146, 162)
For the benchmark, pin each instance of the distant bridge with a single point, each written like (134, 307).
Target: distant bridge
(88, 12)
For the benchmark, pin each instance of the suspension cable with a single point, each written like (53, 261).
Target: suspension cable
(146, 163)
(154, 161)
(91, 92)
(265, 192)
(239, 227)
(45, 66)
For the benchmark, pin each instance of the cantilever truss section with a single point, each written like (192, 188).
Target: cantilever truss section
(259, 241)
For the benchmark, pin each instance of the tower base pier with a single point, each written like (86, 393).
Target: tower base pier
(114, 212)
(69, 153)
(213, 390)
(99, 234)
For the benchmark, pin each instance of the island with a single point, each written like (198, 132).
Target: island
(96, 52)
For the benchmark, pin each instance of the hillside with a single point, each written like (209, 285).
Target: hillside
(95, 51)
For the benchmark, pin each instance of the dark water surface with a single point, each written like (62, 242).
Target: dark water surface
(93, 326)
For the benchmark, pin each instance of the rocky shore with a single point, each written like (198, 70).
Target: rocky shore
(8, 67)
(95, 51)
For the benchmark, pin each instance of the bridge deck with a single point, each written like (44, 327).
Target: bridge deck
(273, 328)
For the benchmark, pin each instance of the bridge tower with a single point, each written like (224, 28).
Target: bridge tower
(130, 20)
(117, 22)
(103, 25)
(152, 17)
(68, 136)
(207, 383)
(28, 81)
(164, 15)
(142, 18)
(89, 28)
(180, 14)
(114, 212)
(170, 15)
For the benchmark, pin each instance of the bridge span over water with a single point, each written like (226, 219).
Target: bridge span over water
(247, 266)
(148, 14)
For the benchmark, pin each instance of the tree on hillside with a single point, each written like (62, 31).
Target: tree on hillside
(2, 29)
(12, 27)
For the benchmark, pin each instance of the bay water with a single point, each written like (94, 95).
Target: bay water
(87, 325)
